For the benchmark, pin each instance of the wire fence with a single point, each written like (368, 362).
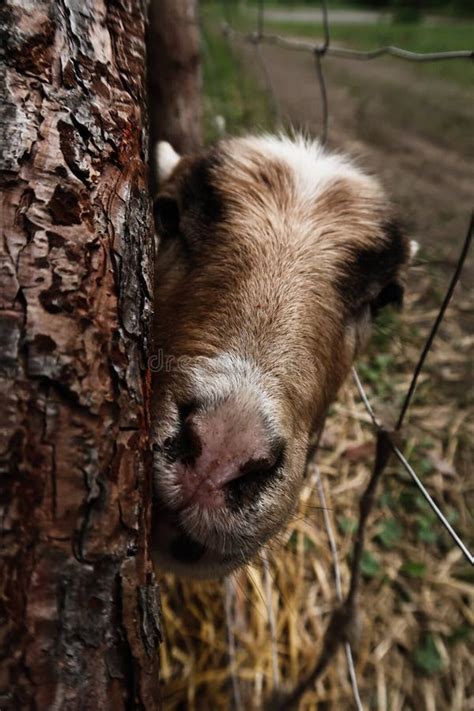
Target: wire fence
(388, 441)
(325, 48)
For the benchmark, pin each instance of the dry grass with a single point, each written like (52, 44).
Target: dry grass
(416, 608)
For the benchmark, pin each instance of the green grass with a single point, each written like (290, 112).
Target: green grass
(229, 91)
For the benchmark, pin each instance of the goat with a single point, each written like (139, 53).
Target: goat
(275, 256)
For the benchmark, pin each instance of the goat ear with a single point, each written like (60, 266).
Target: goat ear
(166, 160)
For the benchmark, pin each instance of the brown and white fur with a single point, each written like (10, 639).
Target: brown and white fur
(274, 257)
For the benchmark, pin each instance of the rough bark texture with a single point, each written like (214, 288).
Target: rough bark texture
(80, 622)
(174, 70)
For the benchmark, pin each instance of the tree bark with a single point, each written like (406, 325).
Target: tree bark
(80, 622)
(174, 70)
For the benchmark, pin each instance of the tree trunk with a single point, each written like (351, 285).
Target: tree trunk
(80, 622)
(174, 71)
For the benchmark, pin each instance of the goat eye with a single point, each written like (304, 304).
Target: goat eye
(166, 214)
(391, 295)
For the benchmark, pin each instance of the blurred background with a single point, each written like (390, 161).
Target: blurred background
(228, 644)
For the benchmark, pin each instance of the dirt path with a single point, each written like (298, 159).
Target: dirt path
(414, 131)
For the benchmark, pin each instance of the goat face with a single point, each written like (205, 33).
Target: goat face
(274, 255)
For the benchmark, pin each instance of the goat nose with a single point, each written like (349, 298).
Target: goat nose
(225, 450)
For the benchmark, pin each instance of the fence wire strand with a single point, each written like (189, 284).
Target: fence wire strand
(271, 619)
(364, 55)
(229, 601)
(338, 584)
(401, 457)
(437, 322)
(343, 618)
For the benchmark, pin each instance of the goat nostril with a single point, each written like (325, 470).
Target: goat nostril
(254, 476)
(185, 445)
(266, 466)
(255, 466)
(191, 444)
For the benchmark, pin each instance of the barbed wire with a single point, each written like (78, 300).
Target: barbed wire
(341, 626)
